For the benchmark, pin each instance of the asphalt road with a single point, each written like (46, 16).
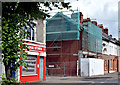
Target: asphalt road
(107, 79)
(80, 80)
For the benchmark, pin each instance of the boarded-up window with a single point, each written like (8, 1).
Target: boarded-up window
(31, 61)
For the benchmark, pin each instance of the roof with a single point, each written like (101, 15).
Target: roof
(64, 16)
(110, 39)
(62, 27)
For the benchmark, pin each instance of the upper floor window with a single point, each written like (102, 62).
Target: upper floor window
(103, 44)
(55, 45)
(31, 33)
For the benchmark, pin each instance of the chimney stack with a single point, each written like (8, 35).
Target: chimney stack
(74, 16)
(101, 26)
(81, 17)
(87, 20)
(94, 22)
(105, 30)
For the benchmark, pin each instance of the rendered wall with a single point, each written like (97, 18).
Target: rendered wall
(41, 31)
(119, 63)
(90, 66)
(96, 67)
(84, 67)
(0, 68)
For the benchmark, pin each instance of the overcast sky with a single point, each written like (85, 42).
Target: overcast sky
(104, 11)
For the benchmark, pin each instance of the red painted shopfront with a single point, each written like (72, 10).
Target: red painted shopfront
(36, 63)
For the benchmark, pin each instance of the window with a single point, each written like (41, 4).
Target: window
(55, 45)
(111, 64)
(105, 65)
(31, 33)
(115, 64)
(104, 44)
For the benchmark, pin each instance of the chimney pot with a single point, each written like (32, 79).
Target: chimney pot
(110, 35)
(94, 22)
(87, 20)
(101, 26)
(105, 30)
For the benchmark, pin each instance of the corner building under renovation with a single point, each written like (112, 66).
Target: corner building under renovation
(66, 37)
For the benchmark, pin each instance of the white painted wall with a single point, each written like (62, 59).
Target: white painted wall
(112, 49)
(119, 63)
(84, 66)
(41, 31)
(91, 66)
(2, 70)
(118, 52)
(105, 47)
(96, 67)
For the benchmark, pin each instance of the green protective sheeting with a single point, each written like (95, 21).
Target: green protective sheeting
(61, 27)
(92, 38)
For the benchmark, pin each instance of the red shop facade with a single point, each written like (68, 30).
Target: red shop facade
(36, 60)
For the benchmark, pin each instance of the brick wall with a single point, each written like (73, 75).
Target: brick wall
(112, 62)
(63, 52)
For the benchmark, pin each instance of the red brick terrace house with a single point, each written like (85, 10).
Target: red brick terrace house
(110, 51)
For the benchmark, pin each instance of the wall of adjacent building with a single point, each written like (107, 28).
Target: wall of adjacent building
(41, 31)
(40, 36)
(110, 48)
(111, 52)
(111, 61)
(0, 68)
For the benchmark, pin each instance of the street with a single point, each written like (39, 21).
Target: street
(80, 80)
(109, 78)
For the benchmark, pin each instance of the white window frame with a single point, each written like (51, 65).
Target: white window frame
(31, 34)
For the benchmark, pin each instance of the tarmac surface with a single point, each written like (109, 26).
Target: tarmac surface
(107, 79)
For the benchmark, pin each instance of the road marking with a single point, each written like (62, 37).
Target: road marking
(102, 82)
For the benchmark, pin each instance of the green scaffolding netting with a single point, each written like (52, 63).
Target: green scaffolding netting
(62, 27)
(92, 38)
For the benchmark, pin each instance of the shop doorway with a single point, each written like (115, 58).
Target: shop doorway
(41, 67)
